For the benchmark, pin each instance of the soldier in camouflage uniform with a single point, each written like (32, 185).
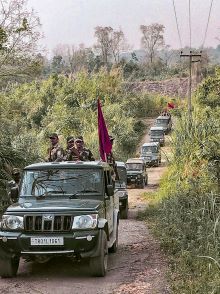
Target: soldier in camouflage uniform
(71, 153)
(85, 153)
(55, 152)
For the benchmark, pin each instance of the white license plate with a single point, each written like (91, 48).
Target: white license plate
(41, 241)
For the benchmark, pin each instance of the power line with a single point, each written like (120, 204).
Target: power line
(210, 8)
(190, 27)
(174, 8)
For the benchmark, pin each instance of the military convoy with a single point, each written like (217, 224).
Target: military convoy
(72, 209)
(63, 209)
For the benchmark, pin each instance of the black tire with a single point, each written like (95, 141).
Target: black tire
(114, 247)
(146, 181)
(124, 212)
(98, 265)
(9, 267)
(142, 185)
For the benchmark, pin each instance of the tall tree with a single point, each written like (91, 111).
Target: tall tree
(104, 42)
(19, 34)
(152, 39)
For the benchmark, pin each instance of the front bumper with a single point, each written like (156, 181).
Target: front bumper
(83, 243)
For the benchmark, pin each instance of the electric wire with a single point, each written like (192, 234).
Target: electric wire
(190, 27)
(177, 25)
(207, 25)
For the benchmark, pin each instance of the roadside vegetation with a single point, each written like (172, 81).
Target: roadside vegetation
(185, 213)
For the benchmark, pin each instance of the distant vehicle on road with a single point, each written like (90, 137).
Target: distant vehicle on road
(151, 153)
(157, 135)
(121, 189)
(136, 172)
(165, 122)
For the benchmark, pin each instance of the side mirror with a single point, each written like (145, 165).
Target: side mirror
(110, 190)
(14, 194)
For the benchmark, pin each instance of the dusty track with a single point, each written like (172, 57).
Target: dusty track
(138, 267)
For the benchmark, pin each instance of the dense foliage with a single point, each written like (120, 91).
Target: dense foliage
(188, 216)
(67, 105)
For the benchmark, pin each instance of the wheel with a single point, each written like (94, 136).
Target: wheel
(146, 181)
(9, 267)
(124, 212)
(98, 264)
(114, 247)
(142, 184)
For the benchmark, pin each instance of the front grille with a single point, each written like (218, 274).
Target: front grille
(53, 223)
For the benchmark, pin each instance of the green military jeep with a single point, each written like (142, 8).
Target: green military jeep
(151, 153)
(63, 209)
(157, 135)
(165, 122)
(136, 172)
(121, 187)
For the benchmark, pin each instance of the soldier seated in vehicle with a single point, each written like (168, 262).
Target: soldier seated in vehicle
(85, 153)
(55, 152)
(71, 153)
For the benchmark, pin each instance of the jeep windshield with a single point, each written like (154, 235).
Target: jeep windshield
(59, 182)
(157, 133)
(134, 166)
(162, 122)
(149, 149)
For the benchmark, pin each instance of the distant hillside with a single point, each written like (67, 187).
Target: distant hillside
(173, 87)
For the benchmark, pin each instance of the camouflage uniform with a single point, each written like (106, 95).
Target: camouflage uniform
(55, 153)
(112, 163)
(86, 154)
(15, 183)
(72, 154)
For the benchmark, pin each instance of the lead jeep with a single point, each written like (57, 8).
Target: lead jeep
(121, 187)
(136, 172)
(63, 209)
(151, 153)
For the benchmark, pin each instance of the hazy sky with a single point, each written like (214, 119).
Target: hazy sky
(73, 21)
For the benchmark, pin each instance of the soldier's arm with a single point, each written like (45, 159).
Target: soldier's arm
(60, 155)
(91, 157)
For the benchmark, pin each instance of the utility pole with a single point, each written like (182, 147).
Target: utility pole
(190, 56)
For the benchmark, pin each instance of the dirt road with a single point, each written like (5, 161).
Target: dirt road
(138, 267)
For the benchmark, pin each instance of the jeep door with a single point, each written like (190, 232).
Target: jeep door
(109, 202)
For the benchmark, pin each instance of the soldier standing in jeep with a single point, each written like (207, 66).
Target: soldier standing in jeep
(71, 153)
(55, 152)
(85, 153)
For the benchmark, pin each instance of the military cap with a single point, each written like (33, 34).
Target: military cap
(53, 135)
(15, 171)
(79, 139)
(70, 139)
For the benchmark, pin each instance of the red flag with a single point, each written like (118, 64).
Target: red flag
(170, 105)
(105, 145)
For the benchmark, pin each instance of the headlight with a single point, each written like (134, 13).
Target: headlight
(121, 193)
(12, 222)
(88, 221)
